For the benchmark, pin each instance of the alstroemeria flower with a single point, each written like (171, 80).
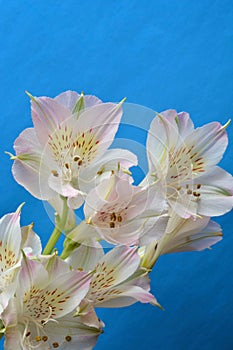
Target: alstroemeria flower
(40, 313)
(116, 211)
(10, 255)
(118, 279)
(181, 235)
(67, 148)
(183, 161)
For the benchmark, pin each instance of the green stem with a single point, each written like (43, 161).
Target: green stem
(57, 230)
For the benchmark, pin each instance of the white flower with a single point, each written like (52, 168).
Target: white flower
(68, 147)
(40, 315)
(182, 160)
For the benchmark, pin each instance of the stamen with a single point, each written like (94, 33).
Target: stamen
(113, 217)
(55, 173)
(196, 194)
(119, 218)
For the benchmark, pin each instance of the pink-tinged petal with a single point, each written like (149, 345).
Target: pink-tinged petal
(70, 289)
(121, 262)
(71, 333)
(30, 169)
(32, 273)
(47, 115)
(31, 243)
(124, 295)
(185, 125)
(210, 142)
(103, 121)
(90, 101)
(86, 257)
(69, 98)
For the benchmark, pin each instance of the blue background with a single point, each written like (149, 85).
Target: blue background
(160, 54)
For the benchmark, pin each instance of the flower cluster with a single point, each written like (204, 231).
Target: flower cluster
(48, 299)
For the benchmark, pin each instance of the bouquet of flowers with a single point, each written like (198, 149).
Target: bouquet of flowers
(48, 299)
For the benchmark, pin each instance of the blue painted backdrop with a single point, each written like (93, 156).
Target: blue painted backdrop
(160, 54)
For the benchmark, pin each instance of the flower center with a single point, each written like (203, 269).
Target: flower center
(111, 217)
(71, 151)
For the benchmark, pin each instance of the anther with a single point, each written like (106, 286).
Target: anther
(189, 192)
(45, 338)
(67, 165)
(55, 173)
(119, 218)
(113, 217)
(27, 334)
(196, 194)
(80, 162)
(198, 186)
(68, 338)
(55, 345)
(76, 158)
(38, 338)
(111, 224)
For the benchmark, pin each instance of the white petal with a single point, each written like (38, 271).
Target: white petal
(47, 115)
(123, 260)
(30, 169)
(103, 119)
(30, 241)
(86, 257)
